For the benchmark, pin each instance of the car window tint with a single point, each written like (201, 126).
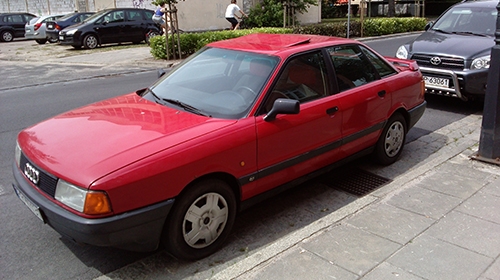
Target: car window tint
(15, 19)
(149, 14)
(134, 15)
(115, 16)
(474, 19)
(350, 68)
(380, 65)
(304, 78)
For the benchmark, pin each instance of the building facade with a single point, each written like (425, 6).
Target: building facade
(193, 15)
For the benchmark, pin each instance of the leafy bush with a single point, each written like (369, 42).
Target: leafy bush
(191, 42)
(384, 26)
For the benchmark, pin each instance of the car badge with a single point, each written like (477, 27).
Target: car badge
(32, 174)
(436, 60)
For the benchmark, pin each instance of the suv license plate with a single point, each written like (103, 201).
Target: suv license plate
(434, 81)
(35, 209)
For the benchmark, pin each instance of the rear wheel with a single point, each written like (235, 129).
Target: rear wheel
(7, 36)
(201, 220)
(390, 144)
(41, 41)
(150, 35)
(90, 41)
(53, 40)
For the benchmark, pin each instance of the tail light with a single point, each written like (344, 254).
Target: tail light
(57, 27)
(37, 26)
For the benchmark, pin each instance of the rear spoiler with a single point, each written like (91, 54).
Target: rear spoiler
(401, 64)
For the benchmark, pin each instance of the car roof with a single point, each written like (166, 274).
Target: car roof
(279, 44)
(478, 3)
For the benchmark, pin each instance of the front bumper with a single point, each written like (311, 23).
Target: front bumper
(462, 84)
(137, 230)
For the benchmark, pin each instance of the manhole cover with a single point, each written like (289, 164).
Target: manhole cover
(354, 180)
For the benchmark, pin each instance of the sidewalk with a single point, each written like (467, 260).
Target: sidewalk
(439, 218)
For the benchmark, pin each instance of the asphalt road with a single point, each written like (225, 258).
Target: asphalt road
(31, 250)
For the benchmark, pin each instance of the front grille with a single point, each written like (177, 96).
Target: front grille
(47, 182)
(452, 63)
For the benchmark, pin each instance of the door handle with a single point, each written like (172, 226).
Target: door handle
(332, 111)
(382, 93)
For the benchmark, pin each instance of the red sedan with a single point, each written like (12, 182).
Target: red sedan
(235, 122)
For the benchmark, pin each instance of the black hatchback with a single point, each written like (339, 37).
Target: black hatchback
(12, 25)
(110, 26)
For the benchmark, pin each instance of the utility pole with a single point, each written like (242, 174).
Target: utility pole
(489, 143)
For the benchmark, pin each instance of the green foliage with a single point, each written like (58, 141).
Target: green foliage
(268, 13)
(191, 42)
(335, 29)
(161, 2)
(383, 26)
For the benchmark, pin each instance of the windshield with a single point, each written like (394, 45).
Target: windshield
(468, 20)
(215, 82)
(95, 16)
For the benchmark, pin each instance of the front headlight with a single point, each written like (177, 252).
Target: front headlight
(481, 63)
(402, 53)
(17, 154)
(71, 32)
(88, 202)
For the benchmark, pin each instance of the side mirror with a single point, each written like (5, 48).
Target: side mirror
(283, 106)
(428, 25)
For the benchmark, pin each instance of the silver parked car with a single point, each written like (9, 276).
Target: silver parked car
(35, 28)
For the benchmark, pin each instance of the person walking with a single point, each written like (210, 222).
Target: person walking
(231, 16)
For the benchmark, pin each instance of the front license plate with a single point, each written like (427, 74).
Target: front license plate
(61, 38)
(434, 81)
(35, 209)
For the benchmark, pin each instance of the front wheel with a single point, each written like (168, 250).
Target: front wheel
(90, 41)
(390, 144)
(7, 36)
(200, 221)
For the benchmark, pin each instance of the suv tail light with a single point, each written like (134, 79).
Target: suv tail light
(37, 26)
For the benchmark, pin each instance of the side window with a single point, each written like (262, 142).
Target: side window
(115, 16)
(380, 65)
(15, 19)
(304, 78)
(134, 16)
(350, 68)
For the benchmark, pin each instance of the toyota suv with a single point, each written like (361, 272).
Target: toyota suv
(454, 52)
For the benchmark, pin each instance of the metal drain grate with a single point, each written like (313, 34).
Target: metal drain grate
(354, 180)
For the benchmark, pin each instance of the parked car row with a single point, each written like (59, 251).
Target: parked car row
(89, 30)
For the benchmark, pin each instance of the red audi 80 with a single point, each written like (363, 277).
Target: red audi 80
(239, 120)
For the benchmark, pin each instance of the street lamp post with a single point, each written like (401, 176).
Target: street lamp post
(489, 143)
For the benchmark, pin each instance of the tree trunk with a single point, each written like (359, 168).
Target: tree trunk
(392, 8)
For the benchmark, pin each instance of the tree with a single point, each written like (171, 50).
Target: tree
(269, 13)
(392, 8)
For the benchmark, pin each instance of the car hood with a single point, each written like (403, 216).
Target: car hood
(432, 42)
(87, 143)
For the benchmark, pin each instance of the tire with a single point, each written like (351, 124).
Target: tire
(76, 47)
(90, 41)
(41, 41)
(392, 140)
(150, 35)
(7, 36)
(53, 40)
(208, 225)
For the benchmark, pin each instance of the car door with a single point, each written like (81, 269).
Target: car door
(293, 145)
(134, 25)
(364, 97)
(17, 22)
(110, 27)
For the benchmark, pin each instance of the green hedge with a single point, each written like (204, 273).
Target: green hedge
(191, 42)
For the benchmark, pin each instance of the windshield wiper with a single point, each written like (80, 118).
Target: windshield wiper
(185, 106)
(469, 33)
(441, 30)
